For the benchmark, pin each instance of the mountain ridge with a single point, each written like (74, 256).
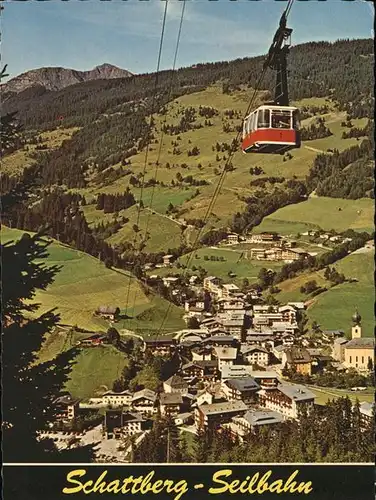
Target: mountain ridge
(57, 78)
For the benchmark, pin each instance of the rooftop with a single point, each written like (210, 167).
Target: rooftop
(175, 381)
(170, 399)
(362, 343)
(296, 392)
(243, 384)
(246, 349)
(226, 352)
(298, 355)
(113, 393)
(145, 393)
(228, 407)
(262, 417)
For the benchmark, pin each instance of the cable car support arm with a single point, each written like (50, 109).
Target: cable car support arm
(277, 60)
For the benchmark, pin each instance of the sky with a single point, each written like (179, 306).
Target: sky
(82, 34)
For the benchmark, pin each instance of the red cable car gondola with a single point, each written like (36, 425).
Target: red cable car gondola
(274, 127)
(271, 129)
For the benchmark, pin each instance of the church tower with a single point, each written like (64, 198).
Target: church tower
(356, 330)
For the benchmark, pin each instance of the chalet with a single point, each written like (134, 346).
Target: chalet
(209, 324)
(93, 340)
(212, 415)
(167, 260)
(287, 399)
(186, 418)
(260, 308)
(205, 397)
(212, 284)
(228, 289)
(112, 398)
(253, 419)
(118, 423)
(186, 347)
(263, 238)
(256, 336)
(196, 305)
(201, 370)
(169, 280)
(160, 345)
(108, 312)
(291, 254)
(266, 379)
(231, 304)
(175, 384)
(232, 239)
(255, 355)
(279, 350)
(265, 319)
(67, 408)
(170, 403)
(280, 327)
(297, 359)
(241, 389)
(204, 353)
(288, 339)
(233, 324)
(265, 341)
(145, 402)
(288, 313)
(225, 355)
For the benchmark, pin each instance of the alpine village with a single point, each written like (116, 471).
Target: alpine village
(169, 298)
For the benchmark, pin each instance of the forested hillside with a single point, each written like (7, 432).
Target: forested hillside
(118, 164)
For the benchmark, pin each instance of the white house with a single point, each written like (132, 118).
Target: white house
(123, 398)
(225, 355)
(254, 354)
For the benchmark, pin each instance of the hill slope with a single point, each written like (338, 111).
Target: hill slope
(86, 278)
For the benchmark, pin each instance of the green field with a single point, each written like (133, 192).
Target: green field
(321, 213)
(95, 371)
(162, 232)
(235, 262)
(324, 394)
(333, 309)
(84, 283)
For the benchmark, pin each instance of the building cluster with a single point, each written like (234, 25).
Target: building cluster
(268, 246)
(233, 366)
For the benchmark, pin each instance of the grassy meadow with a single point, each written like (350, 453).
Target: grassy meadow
(321, 213)
(84, 283)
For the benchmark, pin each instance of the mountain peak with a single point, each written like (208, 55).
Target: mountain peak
(56, 78)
